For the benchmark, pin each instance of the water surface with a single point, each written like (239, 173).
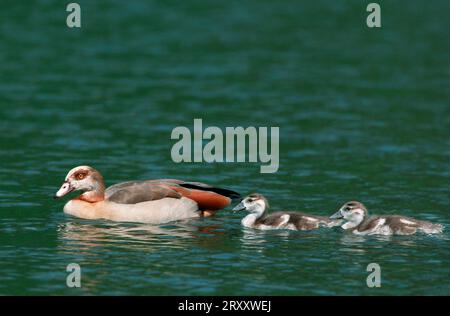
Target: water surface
(363, 114)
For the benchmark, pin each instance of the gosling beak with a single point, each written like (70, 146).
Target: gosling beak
(337, 215)
(239, 207)
(65, 189)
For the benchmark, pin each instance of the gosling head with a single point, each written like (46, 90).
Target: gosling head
(255, 203)
(82, 178)
(353, 212)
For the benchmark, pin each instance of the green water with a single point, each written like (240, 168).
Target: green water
(363, 114)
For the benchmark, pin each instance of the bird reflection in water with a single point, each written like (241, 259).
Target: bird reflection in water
(85, 235)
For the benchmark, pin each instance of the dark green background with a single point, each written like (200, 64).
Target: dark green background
(363, 114)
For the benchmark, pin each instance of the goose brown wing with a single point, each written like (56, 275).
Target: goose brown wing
(206, 196)
(133, 192)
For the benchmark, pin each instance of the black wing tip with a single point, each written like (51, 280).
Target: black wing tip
(233, 195)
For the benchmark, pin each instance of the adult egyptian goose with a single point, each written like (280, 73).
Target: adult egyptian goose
(259, 218)
(147, 201)
(357, 220)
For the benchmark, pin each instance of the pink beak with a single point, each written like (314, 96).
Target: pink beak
(65, 188)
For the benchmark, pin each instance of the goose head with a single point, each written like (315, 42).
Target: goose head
(254, 203)
(85, 179)
(353, 212)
